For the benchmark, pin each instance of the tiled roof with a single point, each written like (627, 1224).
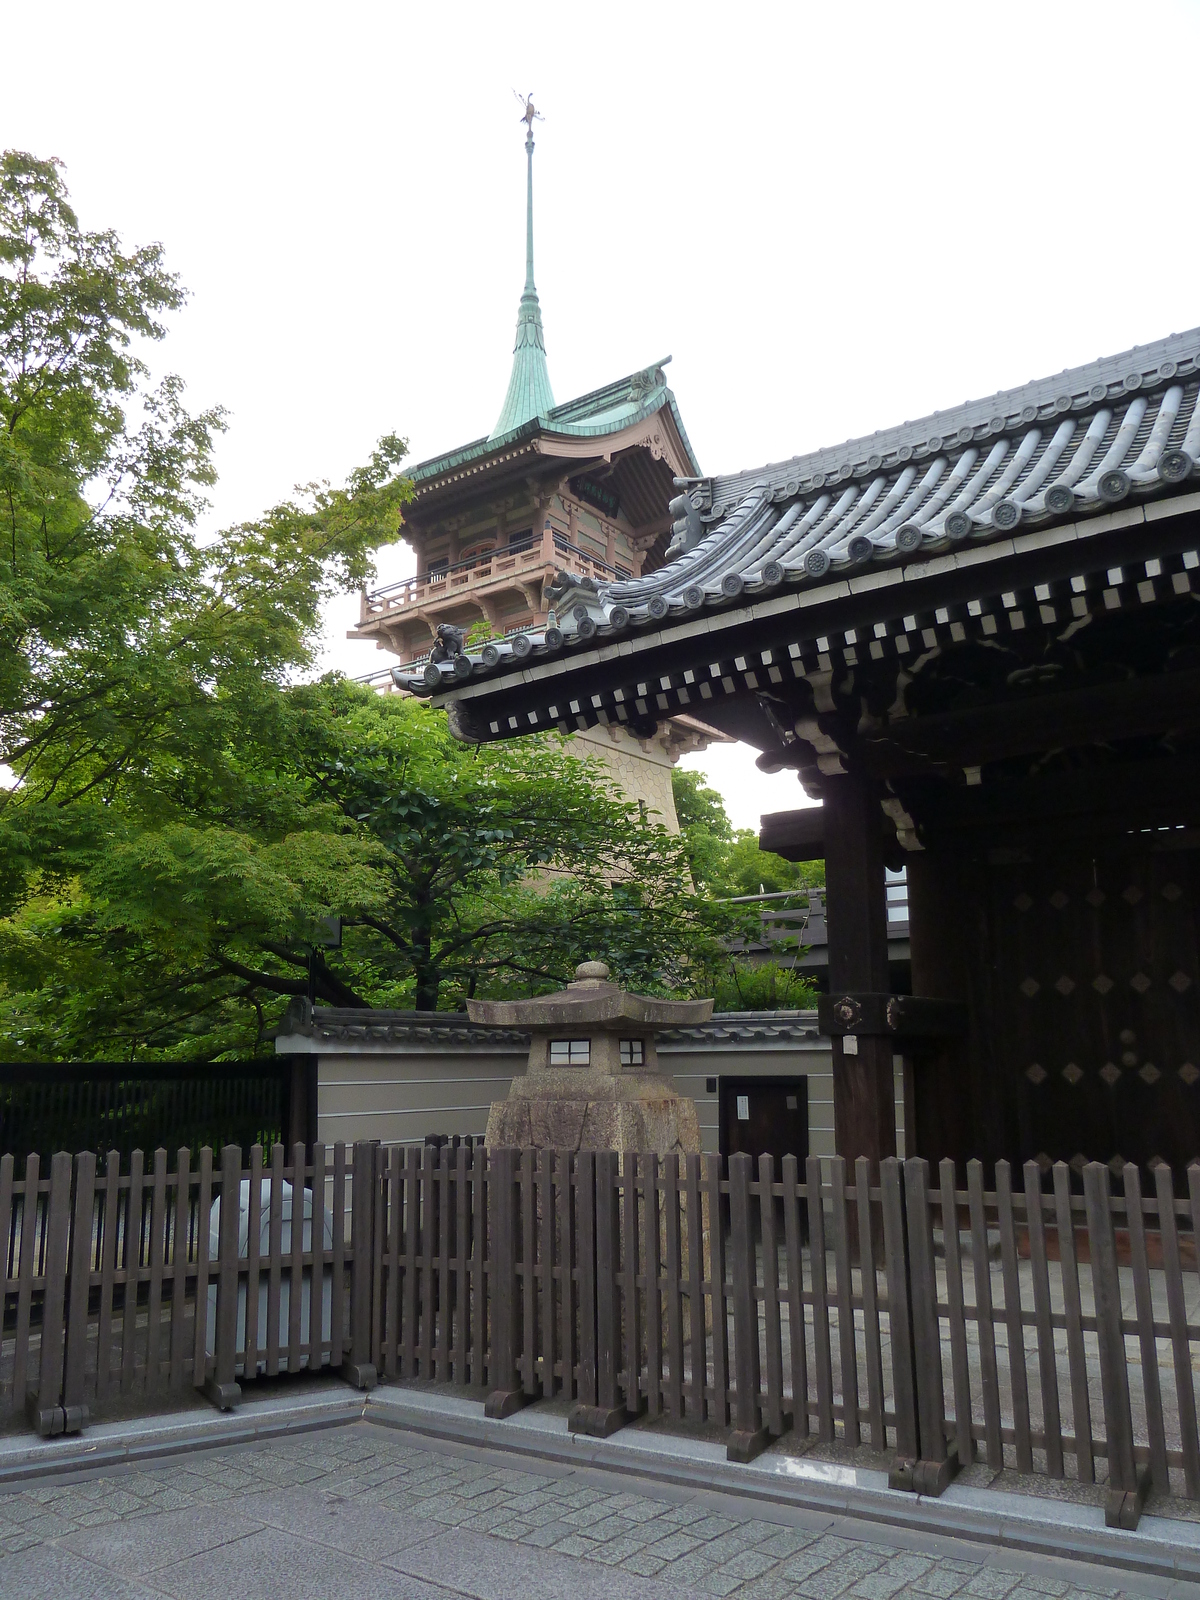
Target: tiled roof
(331, 1026)
(731, 1029)
(611, 409)
(1056, 450)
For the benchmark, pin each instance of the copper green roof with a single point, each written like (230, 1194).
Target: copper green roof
(608, 410)
(529, 392)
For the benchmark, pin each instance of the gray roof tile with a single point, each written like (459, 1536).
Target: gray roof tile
(1123, 428)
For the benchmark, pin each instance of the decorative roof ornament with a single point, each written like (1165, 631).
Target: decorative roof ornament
(529, 392)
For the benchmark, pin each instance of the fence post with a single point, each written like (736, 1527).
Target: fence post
(903, 1473)
(79, 1274)
(937, 1465)
(1127, 1489)
(749, 1437)
(507, 1392)
(608, 1414)
(223, 1388)
(358, 1368)
(583, 1259)
(44, 1409)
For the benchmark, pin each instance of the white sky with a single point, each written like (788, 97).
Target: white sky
(834, 217)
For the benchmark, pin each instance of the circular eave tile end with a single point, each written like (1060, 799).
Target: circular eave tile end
(1175, 466)
(909, 537)
(958, 525)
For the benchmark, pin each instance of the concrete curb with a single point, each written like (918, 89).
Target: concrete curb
(115, 1443)
(1160, 1547)
(1021, 1523)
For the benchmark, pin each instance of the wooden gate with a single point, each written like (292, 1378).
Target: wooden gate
(1093, 1001)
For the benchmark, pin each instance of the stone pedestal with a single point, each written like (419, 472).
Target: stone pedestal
(591, 1109)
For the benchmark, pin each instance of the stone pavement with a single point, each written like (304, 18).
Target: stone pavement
(359, 1511)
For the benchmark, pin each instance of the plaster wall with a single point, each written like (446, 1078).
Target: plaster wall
(399, 1096)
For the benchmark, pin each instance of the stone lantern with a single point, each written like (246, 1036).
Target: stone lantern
(593, 1080)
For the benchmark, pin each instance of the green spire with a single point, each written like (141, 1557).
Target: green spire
(529, 392)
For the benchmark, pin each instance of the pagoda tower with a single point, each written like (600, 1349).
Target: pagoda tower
(577, 491)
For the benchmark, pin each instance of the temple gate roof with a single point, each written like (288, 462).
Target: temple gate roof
(965, 485)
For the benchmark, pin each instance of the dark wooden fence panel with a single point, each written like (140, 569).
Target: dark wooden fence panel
(101, 1106)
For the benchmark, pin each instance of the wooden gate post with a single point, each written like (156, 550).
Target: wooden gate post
(358, 1368)
(902, 1475)
(1127, 1488)
(608, 1414)
(507, 1392)
(749, 1437)
(79, 1275)
(44, 1409)
(223, 1388)
(864, 1112)
(937, 1464)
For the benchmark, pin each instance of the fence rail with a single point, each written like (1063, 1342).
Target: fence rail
(1025, 1325)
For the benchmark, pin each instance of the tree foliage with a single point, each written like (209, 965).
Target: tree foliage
(728, 866)
(727, 862)
(143, 669)
(186, 812)
(454, 872)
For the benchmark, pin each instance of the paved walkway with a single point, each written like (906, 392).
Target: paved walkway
(351, 1513)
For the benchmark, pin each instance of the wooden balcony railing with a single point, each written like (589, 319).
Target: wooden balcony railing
(459, 580)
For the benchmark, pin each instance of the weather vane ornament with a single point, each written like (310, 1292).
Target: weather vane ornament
(530, 115)
(529, 392)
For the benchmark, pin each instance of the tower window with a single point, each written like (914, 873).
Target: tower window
(632, 1053)
(570, 1052)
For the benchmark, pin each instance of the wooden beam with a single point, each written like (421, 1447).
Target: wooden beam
(1030, 724)
(1104, 799)
(800, 836)
(794, 835)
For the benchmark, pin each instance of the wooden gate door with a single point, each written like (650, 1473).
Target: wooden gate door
(765, 1116)
(1096, 1000)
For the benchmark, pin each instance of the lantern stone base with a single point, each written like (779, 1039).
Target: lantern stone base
(585, 1109)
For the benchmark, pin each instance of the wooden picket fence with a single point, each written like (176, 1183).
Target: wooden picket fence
(1033, 1327)
(137, 1283)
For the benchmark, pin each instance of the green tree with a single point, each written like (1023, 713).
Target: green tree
(186, 812)
(120, 630)
(729, 868)
(726, 862)
(143, 669)
(762, 986)
(455, 872)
